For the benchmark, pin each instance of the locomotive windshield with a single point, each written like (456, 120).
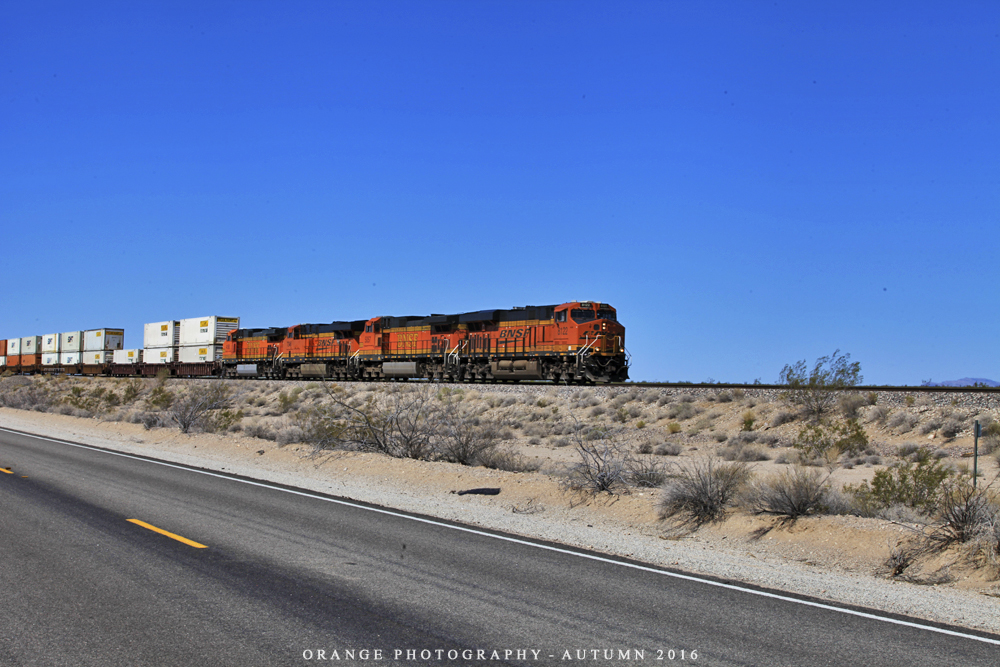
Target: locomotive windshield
(580, 315)
(606, 314)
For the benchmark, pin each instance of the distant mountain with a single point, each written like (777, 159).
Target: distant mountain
(964, 382)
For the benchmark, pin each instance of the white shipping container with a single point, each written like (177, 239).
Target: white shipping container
(31, 345)
(128, 356)
(97, 357)
(71, 341)
(69, 358)
(96, 340)
(50, 358)
(161, 334)
(13, 347)
(193, 354)
(3, 361)
(50, 343)
(159, 355)
(210, 330)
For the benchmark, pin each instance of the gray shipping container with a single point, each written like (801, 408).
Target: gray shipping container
(71, 341)
(96, 340)
(50, 358)
(13, 347)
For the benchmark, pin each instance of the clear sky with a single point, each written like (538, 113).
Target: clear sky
(748, 183)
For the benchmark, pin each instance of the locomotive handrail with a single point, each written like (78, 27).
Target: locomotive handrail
(452, 359)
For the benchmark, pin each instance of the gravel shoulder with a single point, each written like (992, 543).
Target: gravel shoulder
(834, 558)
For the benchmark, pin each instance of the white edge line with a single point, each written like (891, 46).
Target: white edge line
(594, 557)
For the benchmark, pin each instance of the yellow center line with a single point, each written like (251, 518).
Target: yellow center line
(168, 534)
(9, 472)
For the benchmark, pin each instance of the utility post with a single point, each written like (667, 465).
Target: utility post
(975, 453)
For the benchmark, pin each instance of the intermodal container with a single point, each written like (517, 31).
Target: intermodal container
(128, 356)
(209, 330)
(50, 358)
(3, 361)
(71, 341)
(50, 344)
(159, 355)
(161, 334)
(3, 348)
(31, 345)
(70, 358)
(95, 357)
(97, 340)
(13, 346)
(193, 354)
(31, 359)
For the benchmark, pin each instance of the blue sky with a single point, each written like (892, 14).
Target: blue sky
(749, 184)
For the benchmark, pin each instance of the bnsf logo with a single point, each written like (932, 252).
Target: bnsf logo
(514, 333)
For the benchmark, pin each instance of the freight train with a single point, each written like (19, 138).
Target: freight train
(575, 342)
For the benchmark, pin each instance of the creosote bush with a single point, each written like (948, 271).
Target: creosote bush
(790, 493)
(700, 491)
(915, 484)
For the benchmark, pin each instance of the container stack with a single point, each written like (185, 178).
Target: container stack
(50, 350)
(71, 348)
(160, 341)
(99, 345)
(201, 338)
(3, 353)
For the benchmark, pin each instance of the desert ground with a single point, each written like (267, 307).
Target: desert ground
(883, 557)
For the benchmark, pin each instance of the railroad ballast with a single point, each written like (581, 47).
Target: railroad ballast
(578, 341)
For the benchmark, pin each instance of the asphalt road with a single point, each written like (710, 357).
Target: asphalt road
(289, 577)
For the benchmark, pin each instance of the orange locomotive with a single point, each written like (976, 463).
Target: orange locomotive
(580, 341)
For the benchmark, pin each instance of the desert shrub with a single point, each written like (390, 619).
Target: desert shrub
(879, 414)
(791, 493)
(668, 449)
(673, 427)
(603, 464)
(849, 404)
(289, 435)
(646, 472)
(907, 449)
(700, 491)
(748, 420)
(288, 400)
(724, 397)
(815, 389)
(221, 421)
(915, 484)
(963, 512)
(597, 411)
(23, 393)
(260, 430)
(463, 436)
(817, 439)
(199, 402)
(951, 427)
(681, 411)
(504, 458)
(782, 417)
(743, 453)
(160, 398)
(151, 420)
(931, 425)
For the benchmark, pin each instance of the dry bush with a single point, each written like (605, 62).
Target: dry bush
(701, 490)
(849, 404)
(603, 464)
(963, 512)
(646, 471)
(199, 401)
(790, 493)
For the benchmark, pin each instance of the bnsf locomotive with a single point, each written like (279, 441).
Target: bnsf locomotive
(581, 341)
